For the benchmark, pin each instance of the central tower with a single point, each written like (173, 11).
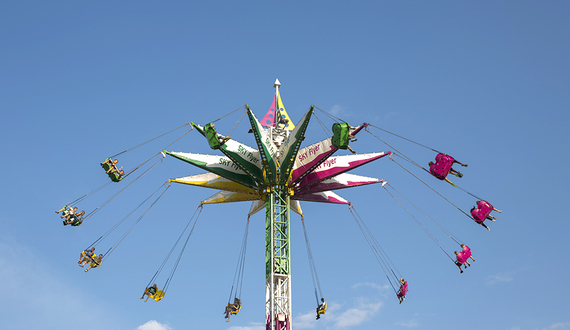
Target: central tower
(277, 258)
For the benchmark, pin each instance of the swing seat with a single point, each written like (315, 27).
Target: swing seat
(485, 207)
(158, 295)
(78, 222)
(466, 252)
(340, 137)
(404, 290)
(212, 136)
(115, 177)
(442, 166)
(461, 258)
(482, 211)
(322, 310)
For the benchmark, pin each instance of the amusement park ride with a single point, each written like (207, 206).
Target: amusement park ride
(275, 177)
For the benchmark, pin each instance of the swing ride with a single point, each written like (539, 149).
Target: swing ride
(276, 177)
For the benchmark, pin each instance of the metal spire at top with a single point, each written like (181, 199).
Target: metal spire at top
(276, 85)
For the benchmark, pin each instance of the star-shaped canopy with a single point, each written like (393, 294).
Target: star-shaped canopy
(244, 173)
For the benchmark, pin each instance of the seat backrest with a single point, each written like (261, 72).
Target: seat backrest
(485, 207)
(324, 309)
(442, 166)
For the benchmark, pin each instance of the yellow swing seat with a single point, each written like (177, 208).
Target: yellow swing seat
(158, 295)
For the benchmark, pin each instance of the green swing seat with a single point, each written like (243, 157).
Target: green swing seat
(340, 137)
(115, 177)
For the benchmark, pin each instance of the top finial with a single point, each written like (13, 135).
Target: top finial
(277, 83)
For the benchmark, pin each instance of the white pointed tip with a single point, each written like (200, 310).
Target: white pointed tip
(277, 83)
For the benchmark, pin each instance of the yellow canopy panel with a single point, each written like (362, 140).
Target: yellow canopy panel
(231, 197)
(211, 180)
(259, 205)
(283, 114)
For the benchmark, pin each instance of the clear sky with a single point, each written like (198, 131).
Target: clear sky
(485, 81)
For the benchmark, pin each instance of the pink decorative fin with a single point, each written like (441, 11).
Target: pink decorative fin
(340, 181)
(337, 165)
(321, 197)
(269, 119)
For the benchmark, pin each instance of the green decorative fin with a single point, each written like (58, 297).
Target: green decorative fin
(220, 165)
(290, 147)
(267, 149)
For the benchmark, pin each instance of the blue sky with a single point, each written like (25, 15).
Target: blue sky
(484, 81)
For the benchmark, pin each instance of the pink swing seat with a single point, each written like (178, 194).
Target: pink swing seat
(482, 211)
(442, 166)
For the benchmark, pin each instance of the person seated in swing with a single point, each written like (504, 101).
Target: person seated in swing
(85, 256)
(68, 214)
(120, 173)
(150, 291)
(403, 290)
(112, 167)
(95, 261)
(232, 308)
(322, 308)
(483, 212)
(66, 211)
(442, 167)
(463, 257)
(74, 219)
(111, 163)
(222, 139)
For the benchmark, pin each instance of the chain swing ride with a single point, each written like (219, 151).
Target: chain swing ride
(276, 177)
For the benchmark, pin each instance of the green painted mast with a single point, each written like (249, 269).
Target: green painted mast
(277, 258)
(277, 221)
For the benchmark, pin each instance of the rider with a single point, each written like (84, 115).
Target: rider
(95, 261)
(321, 308)
(85, 256)
(232, 308)
(152, 290)
(66, 210)
(74, 219)
(403, 290)
(112, 163)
